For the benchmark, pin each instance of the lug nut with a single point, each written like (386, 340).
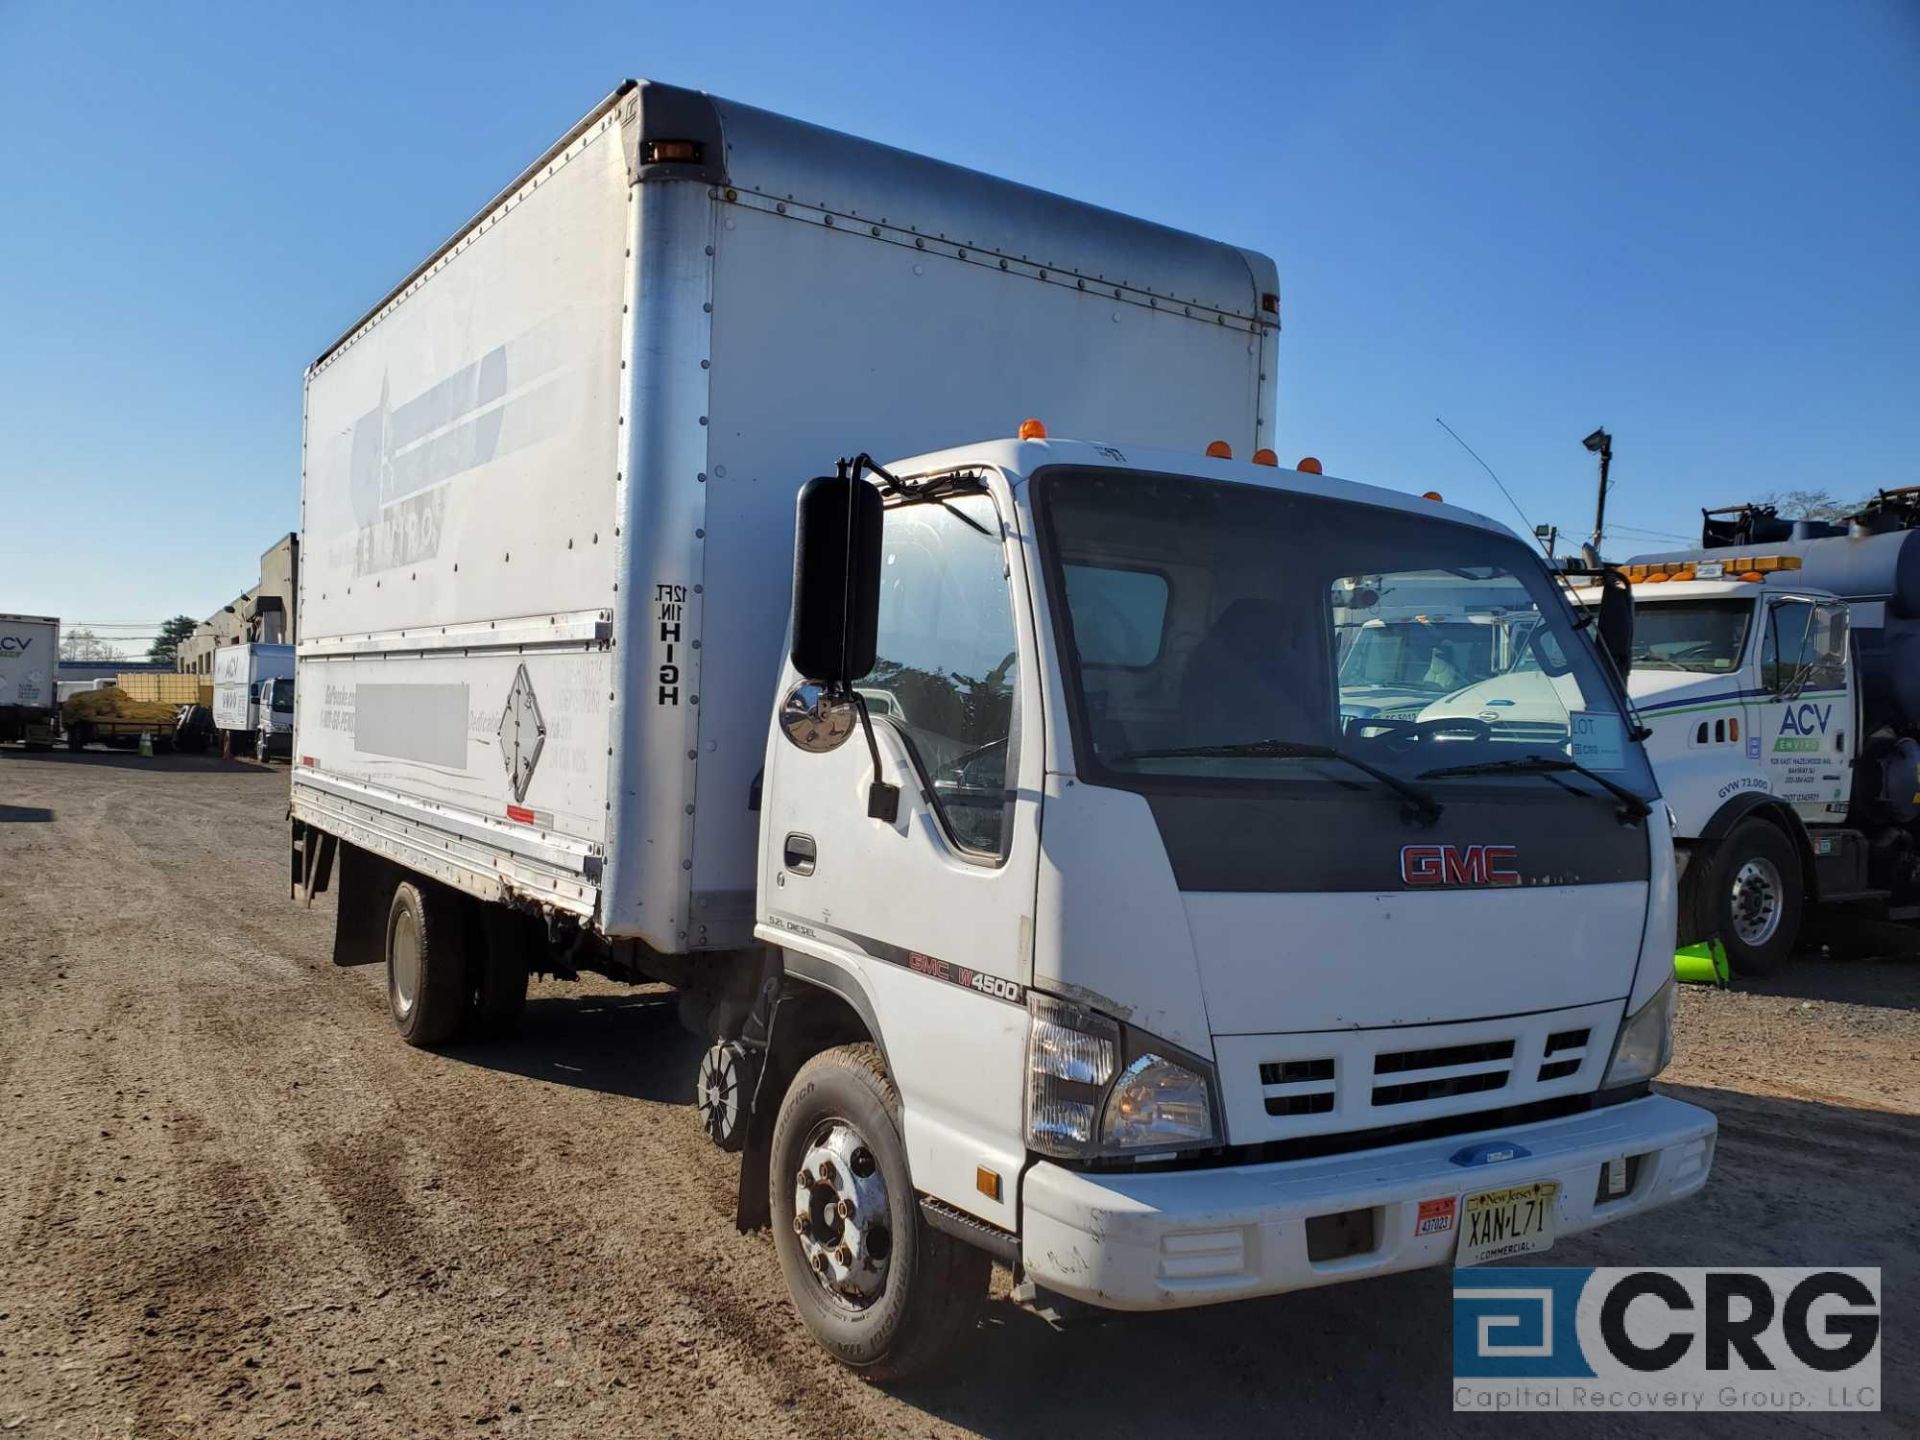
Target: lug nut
(805, 1179)
(799, 1224)
(844, 1255)
(820, 1261)
(845, 1207)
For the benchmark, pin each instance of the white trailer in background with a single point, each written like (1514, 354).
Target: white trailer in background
(1251, 1012)
(253, 697)
(29, 662)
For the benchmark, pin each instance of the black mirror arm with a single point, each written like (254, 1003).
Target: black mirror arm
(883, 800)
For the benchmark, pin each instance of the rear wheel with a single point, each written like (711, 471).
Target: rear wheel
(426, 964)
(1758, 898)
(885, 1293)
(77, 737)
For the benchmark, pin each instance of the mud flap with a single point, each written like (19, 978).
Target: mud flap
(366, 894)
(762, 1033)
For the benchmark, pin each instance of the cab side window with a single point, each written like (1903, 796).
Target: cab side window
(948, 665)
(1805, 646)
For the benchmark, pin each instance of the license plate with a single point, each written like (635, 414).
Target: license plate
(1497, 1224)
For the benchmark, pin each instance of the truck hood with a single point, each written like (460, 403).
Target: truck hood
(1661, 689)
(1518, 697)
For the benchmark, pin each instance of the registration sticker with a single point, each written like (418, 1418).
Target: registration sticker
(1436, 1216)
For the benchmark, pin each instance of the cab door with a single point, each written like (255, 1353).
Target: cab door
(930, 912)
(1807, 713)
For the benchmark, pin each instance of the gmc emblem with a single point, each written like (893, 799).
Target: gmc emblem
(1432, 865)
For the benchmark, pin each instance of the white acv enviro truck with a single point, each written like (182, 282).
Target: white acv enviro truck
(1776, 670)
(253, 697)
(29, 663)
(997, 823)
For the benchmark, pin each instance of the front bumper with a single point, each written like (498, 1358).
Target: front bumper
(1196, 1237)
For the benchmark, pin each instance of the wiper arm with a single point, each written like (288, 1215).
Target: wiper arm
(1419, 801)
(1630, 803)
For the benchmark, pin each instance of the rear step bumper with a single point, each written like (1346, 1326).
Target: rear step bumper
(1196, 1237)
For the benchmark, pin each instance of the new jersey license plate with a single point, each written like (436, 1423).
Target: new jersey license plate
(1498, 1224)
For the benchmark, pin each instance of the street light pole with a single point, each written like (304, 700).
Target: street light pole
(1600, 443)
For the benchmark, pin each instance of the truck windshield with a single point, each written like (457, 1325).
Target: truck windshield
(1278, 623)
(1703, 635)
(280, 694)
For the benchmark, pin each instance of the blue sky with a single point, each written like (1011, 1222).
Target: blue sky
(1697, 224)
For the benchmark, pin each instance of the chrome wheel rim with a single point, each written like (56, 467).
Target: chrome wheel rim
(1756, 901)
(404, 964)
(841, 1215)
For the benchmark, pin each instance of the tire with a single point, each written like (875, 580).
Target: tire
(77, 737)
(1757, 897)
(426, 963)
(497, 996)
(841, 1117)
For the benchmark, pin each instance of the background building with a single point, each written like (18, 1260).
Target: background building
(264, 613)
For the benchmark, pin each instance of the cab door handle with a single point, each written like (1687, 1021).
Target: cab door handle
(800, 853)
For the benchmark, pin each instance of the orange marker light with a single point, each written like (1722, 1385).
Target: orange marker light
(1220, 450)
(1433, 495)
(1308, 466)
(1265, 457)
(1032, 430)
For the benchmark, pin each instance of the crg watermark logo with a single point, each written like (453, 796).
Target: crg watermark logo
(1770, 1338)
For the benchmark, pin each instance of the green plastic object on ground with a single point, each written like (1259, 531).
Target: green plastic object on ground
(1702, 964)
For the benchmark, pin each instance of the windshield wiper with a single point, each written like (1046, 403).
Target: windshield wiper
(1630, 803)
(1422, 804)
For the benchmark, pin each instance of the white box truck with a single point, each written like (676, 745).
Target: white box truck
(29, 665)
(253, 698)
(998, 822)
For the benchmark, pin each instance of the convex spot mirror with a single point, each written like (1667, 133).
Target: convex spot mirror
(836, 580)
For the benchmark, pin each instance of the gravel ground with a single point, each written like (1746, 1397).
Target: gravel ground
(233, 1203)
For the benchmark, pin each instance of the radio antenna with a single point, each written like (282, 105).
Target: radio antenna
(1537, 539)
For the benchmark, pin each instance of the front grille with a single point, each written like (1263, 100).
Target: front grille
(1439, 1089)
(1287, 1072)
(1566, 1052)
(1317, 1082)
(1403, 1060)
(1318, 1104)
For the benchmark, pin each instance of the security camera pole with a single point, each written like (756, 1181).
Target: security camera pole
(1601, 444)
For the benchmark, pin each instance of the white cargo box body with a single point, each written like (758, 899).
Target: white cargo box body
(237, 670)
(29, 662)
(548, 482)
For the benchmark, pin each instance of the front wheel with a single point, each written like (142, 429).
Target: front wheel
(1758, 898)
(884, 1292)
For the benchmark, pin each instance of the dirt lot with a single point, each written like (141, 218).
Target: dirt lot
(232, 1203)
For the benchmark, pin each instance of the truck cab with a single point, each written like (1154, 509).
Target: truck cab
(1194, 984)
(272, 713)
(1744, 677)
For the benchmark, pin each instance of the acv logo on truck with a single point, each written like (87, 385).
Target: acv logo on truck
(15, 642)
(1435, 865)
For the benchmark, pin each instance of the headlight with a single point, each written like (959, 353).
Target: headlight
(1645, 1044)
(1078, 1107)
